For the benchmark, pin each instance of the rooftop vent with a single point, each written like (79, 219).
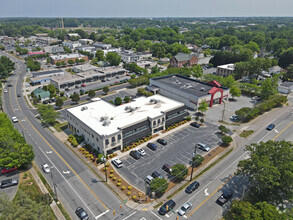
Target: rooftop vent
(152, 100)
(84, 108)
(156, 101)
(202, 89)
(127, 108)
(104, 118)
(106, 123)
(177, 82)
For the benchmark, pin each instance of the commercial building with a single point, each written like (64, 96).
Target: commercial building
(54, 49)
(108, 128)
(66, 57)
(68, 80)
(41, 94)
(102, 46)
(44, 77)
(71, 44)
(84, 68)
(85, 41)
(146, 64)
(46, 40)
(191, 92)
(183, 59)
(225, 70)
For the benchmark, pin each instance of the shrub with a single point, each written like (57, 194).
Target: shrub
(134, 197)
(227, 139)
(119, 180)
(196, 118)
(105, 169)
(129, 187)
(114, 178)
(118, 184)
(107, 165)
(128, 193)
(111, 175)
(122, 187)
(139, 194)
(201, 120)
(111, 171)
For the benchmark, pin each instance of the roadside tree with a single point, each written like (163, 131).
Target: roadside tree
(75, 98)
(235, 91)
(203, 106)
(179, 171)
(226, 140)
(197, 160)
(48, 114)
(159, 186)
(118, 101)
(106, 89)
(92, 93)
(59, 102)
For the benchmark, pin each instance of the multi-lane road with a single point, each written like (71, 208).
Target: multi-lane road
(78, 186)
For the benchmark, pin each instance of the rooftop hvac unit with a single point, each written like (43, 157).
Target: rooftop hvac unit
(202, 89)
(106, 123)
(156, 101)
(152, 100)
(104, 118)
(127, 108)
(84, 108)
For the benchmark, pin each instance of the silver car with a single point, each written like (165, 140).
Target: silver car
(141, 151)
(46, 168)
(186, 207)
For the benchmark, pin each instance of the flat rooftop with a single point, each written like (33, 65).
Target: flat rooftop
(67, 56)
(121, 116)
(230, 66)
(188, 85)
(41, 73)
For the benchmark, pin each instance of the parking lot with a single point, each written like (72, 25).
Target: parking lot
(9, 191)
(179, 149)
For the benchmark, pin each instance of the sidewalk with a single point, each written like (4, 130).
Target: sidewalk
(44, 190)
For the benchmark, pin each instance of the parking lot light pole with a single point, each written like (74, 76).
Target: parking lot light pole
(104, 160)
(192, 165)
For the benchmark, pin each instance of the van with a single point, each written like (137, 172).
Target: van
(203, 146)
(149, 179)
(167, 168)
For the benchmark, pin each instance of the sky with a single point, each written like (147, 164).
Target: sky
(145, 8)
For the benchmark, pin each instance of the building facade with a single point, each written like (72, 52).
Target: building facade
(225, 70)
(67, 57)
(183, 59)
(108, 128)
(191, 92)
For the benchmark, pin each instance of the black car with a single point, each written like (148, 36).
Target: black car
(76, 87)
(152, 146)
(193, 186)
(10, 85)
(67, 89)
(195, 124)
(81, 213)
(156, 174)
(135, 154)
(50, 101)
(7, 183)
(224, 198)
(167, 207)
(103, 80)
(162, 141)
(45, 102)
(53, 100)
(271, 127)
(18, 95)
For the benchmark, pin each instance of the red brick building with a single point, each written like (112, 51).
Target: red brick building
(183, 59)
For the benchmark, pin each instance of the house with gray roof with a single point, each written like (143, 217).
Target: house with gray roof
(183, 59)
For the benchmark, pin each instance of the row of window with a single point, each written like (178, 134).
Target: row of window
(135, 131)
(176, 114)
(113, 139)
(159, 121)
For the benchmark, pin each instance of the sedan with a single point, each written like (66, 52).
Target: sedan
(81, 213)
(135, 154)
(141, 151)
(224, 198)
(46, 168)
(10, 85)
(14, 119)
(195, 124)
(18, 95)
(5, 91)
(83, 85)
(162, 141)
(8, 183)
(8, 170)
(187, 206)
(193, 186)
(156, 174)
(270, 127)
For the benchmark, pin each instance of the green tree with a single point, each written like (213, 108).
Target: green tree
(118, 101)
(70, 62)
(268, 87)
(92, 93)
(100, 55)
(51, 88)
(63, 63)
(48, 114)
(203, 106)
(226, 140)
(126, 99)
(106, 89)
(197, 160)
(235, 91)
(286, 58)
(269, 170)
(197, 71)
(114, 59)
(58, 64)
(179, 171)
(224, 129)
(155, 69)
(159, 186)
(59, 102)
(288, 75)
(253, 46)
(2, 47)
(75, 97)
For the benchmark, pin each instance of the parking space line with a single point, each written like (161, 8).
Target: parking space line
(156, 215)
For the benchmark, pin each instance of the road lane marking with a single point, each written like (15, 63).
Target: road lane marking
(282, 131)
(100, 215)
(129, 215)
(156, 215)
(206, 192)
(59, 155)
(66, 172)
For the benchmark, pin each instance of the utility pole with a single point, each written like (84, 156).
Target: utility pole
(104, 160)
(54, 185)
(192, 165)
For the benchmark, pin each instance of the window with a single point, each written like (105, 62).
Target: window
(107, 141)
(159, 121)
(113, 139)
(97, 139)
(119, 136)
(154, 123)
(92, 136)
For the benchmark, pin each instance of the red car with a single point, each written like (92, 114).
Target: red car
(8, 170)
(83, 85)
(116, 82)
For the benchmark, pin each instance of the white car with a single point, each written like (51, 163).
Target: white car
(203, 147)
(118, 163)
(46, 168)
(5, 91)
(141, 152)
(187, 206)
(14, 119)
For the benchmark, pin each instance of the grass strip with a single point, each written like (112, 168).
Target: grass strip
(245, 134)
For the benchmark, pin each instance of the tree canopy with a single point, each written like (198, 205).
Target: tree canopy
(48, 114)
(179, 171)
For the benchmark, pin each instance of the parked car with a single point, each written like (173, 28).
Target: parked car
(224, 198)
(271, 127)
(8, 183)
(156, 174)
(162, 141)
(167, 168)
(203, 147)
(76, 87)
(136, 155)
(103, 80)
(117, 77)
(46, 168)
(167, 207)
(108, 79)
(83, 85)
(5, 91)
(10, 85)
(195, 124)
(18, 95)
(234, 118)
(187, 206)
(149, 179)
(152, 146)
(191, 187)
(53, 100)
(118, 163)
(67, 89)
(45, 102)
(81, 91)
(50, 101)
(81, 213)
(116, 82)
(8, 170)
(141, 151)
(14, 119)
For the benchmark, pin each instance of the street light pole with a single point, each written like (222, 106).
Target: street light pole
(104, 160)
(192, 165)
(54, 185)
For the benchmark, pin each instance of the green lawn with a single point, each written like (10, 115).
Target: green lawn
(245, 134)
(60, 126)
